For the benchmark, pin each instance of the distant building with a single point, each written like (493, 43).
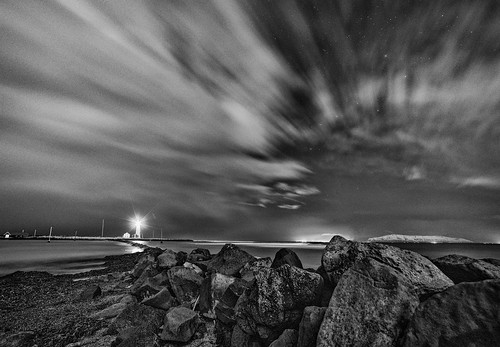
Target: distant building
(16, 235)
(126, 236)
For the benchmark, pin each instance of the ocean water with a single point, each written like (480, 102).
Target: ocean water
(66, 256)
(58, 256)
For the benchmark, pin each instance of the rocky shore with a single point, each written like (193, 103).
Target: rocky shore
(362, 294)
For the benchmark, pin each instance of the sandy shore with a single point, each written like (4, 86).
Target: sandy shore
(49, 308)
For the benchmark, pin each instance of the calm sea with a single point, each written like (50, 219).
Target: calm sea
(67, 256)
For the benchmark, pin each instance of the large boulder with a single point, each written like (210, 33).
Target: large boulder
(224, 310)
(167, 259)
(162, 300)
(148, 259)
(467, 314)
(460, 268)
(370, 306)
(341, 254)
(91, 292)
(288, 338)
(286, 256)
(136, 325)
(309, 326)
(180, 324)
(199, 254)
(115, 309)
(229, 260)
(185, 284)
(276, 300)
(251, 268)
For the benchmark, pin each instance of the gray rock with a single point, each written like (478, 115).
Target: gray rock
(467, 314)
(224, 310)
(199, 254)
(288, 338)
(115, 309)
(340, 254)
(167, 259)
(146, 289)
(276, 300)
(180, 324)
(136, 325)
(464, 269)
(369, 307)
(148, 260)
(185, 284)
(286, 256)
(309, 326)
(219, 284)
(162, 300)
(251, 268)
(229, 260)
(91, 292)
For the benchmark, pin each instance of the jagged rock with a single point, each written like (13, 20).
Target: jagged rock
(466, 314)
(287, 339)
(185, 283)
(205, 303)
(115, 309)
(239, 338)
(167, 259)
(199, 254)
(249, 270)
(223, 334)
(219, 284)
(370, 306)
(327, 287)
(162, 300)
(91, 292)
(197, 269)
(147, 260)
(286, 256)
(224, 310)
(309, 326)
(180, 324)
(340, 254)
(181, 257)
(276, 300)
(464, 269)
(20, 339)
(136, 325)
(229, 260)
(149, 287)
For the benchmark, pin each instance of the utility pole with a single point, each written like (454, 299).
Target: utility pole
(34, 235)
(102, 229)
(161, 235)
(50, 233)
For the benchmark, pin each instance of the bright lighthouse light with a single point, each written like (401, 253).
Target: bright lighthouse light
(138, 223)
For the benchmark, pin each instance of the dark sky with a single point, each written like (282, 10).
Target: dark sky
(111, 109)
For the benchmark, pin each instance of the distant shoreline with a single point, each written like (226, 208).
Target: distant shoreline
(132, 240)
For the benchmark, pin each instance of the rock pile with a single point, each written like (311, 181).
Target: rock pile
(361, 295)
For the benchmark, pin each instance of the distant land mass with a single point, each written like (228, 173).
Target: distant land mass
(417, 239)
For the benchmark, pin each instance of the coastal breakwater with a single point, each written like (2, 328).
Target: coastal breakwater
(363, 294)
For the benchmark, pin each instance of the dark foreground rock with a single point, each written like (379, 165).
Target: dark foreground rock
(369, 307)
(467, 314)
(341, 254)
(286, 256)
(464, 269)
(180, 324)
(229, 261)
(309, 326)
(276, 300)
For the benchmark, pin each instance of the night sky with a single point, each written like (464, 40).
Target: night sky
(177, 110)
